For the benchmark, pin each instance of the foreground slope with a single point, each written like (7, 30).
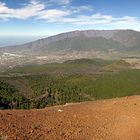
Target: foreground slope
(113, 119)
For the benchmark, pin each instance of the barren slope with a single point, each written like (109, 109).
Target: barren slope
(115, 119)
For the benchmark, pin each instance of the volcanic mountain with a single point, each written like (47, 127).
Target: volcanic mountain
(105, 44)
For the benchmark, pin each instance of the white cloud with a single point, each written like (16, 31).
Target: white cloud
(64, 1)
(126, 22)
(32, 9)
(101, 20)
(59, 2)
(81, 9)
(52, 14)
(67, 14)
(86, 20)
(25, 12)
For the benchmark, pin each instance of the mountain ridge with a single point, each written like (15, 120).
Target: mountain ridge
(76, 33)
(106, 44)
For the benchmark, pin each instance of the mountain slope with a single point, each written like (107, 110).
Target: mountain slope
(125, 37)
(72, 45)
(113, 119)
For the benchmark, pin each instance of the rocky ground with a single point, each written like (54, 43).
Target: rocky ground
(115, 119)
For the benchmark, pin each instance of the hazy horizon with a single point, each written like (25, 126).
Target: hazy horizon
(17, 40)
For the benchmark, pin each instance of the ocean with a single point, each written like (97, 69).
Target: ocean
(17, 40)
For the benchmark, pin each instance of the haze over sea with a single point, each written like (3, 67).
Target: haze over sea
(16, 40)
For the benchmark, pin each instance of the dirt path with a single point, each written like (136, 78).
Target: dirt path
(116, 119)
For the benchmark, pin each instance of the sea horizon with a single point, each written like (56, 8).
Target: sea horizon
(17, 40)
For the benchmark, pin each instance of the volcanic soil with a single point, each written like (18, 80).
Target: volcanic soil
(113, 119)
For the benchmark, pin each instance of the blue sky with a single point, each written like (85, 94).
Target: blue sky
(49, 17)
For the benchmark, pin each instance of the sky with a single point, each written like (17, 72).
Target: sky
(50, 17)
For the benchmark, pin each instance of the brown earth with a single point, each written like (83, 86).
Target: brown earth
(115, 119)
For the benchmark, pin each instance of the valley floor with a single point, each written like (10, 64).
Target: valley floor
(113, 119)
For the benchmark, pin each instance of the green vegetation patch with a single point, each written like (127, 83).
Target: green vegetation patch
(72, 81)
